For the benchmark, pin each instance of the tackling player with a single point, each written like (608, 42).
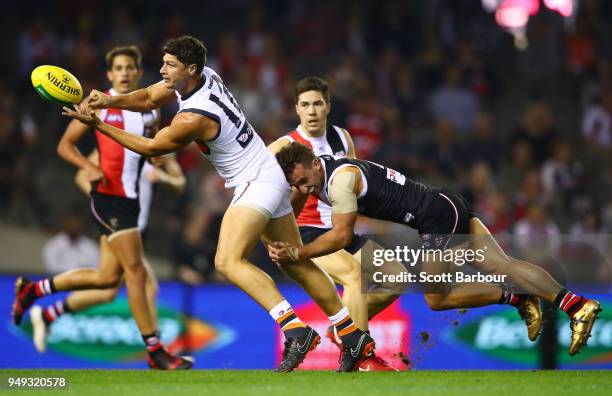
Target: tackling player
(354, 187)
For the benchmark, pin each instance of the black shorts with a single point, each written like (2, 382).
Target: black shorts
(112, 213)
(446, 221)
(309, 234)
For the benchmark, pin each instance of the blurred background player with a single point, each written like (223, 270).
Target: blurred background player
(115, 207)
(166, 170)
(312, 105)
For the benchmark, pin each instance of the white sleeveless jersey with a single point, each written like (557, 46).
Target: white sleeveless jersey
(237, 151)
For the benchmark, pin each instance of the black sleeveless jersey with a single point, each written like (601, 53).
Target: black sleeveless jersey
(389, 194)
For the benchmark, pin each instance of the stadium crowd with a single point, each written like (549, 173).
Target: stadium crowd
(435, 89)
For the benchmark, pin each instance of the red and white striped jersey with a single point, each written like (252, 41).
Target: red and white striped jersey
(316, 213)
(121, 167)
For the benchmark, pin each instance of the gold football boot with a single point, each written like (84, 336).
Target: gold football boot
(582, 324)
(531, 312)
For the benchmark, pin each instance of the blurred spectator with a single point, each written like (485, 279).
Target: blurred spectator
(365, 119)
(83, 46)
(455, 103)
(38, 45)
(529, 194)
(398, 151)
(541, 61)
(485, 145)
(495, 212)
(590, 230)
(228, 60)
(513, 172)
(407, 98)
(443, 156)
(269, 69)
(537, 130)
(536, 233)
(123, 30)
(560, 175)
(479, 186)
(70, 249)
(255, 103)
(597, 121)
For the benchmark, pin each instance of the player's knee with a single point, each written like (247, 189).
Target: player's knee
(224, 263)
(108, 281)
(109, 296)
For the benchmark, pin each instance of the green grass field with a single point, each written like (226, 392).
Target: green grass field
(229, 383)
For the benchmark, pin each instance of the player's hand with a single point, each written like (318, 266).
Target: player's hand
(87, 117)
(157, 162)
(94, 174)
(97, 100)
(153, 175)
(283, 252)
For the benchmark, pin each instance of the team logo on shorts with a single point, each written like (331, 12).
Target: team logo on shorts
(114, 222)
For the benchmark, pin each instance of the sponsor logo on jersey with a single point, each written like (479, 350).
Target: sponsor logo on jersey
(408, 217)
(114, 118)
(246, 135)
(396, 177)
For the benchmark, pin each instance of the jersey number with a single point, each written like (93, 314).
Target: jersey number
(233, 117)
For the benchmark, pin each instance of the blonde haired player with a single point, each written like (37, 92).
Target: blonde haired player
(209, 116)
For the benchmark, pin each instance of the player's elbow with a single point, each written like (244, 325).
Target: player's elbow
(152, 149)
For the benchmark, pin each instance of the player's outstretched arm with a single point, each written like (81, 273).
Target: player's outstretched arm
(145, 99)
(184, 129)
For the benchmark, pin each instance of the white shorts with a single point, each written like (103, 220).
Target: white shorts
(269, 193)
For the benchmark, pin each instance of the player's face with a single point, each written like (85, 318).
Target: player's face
(174, 72)
(308, 179)
(124, 74)
(312, 109)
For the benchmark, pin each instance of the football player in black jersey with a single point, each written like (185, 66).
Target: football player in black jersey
(353, 187)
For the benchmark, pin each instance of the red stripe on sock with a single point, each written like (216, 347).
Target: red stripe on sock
(565, 299)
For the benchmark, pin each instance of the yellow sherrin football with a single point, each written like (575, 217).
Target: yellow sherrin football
(57, 85)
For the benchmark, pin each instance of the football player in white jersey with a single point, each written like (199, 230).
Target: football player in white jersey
(115, 207)
(209, 116)
(312, 105)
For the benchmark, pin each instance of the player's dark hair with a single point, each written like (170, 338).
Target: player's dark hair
(189, 50)
(295, 153)
(129, 50)
(312, 84)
